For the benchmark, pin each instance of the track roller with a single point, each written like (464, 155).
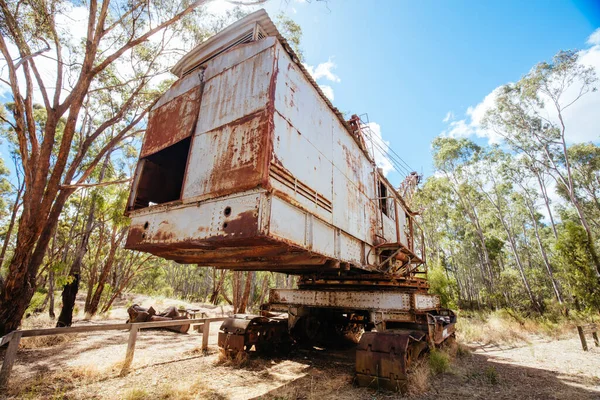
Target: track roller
(383, 358)
(267, 335)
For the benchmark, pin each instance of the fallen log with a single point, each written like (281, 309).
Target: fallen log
(141, 314)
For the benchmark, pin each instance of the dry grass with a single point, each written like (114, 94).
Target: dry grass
(174, 393)
(490, 329)
(462, 351)
(232, 359)
(136, 394)
(43, 321)
(37, 342)
(508, 327)
(55, 384)
(419, 377)
(198, 390)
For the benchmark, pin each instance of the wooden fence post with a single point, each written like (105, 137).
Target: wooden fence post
(9, 358)
(595, 336)
(205, 335)
(133, 331)
(582, 337)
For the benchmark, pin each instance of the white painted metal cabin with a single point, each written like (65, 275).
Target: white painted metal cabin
(247, 165)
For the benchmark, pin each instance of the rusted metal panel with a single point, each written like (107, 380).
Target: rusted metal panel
(237, 55)
(441, 325)
(381, 361)
(302, 107)
(323, 240)
(228, 218)
(262, 125)
(351, 161)
(389, 229)
(351, 249)
(402, 226)
(299, 168)
(299, 227)
(179, 87)
(173, 121)
(424, 302)
(356, 300)
(228, 159)
(350, 206)
(288, 223)
(237, 92)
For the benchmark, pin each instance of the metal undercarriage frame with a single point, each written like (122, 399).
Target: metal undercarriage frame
(399, 320)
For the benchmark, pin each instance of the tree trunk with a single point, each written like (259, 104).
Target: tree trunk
(544, 255)
(93, 270)
(244, 298)
(70, 289)
(471, 212)
(513, 247)
(19, 285)
(51, 293)
(263, 289)
(11, 225)
(546, 202)
(217, 285)
(236, 290)
(95, 301)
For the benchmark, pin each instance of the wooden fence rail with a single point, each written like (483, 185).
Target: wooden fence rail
(587, 329)
(14, 338)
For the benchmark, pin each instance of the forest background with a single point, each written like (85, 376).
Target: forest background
(513, 225)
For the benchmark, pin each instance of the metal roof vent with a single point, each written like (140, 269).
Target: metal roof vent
(254, 33)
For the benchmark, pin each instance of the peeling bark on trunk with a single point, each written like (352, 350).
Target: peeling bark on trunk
(11, 225)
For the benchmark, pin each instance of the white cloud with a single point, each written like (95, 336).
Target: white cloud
(323, 70)
(471, 125)
(449, 117)
(378, 147)
(581, 119)
(328, 90)
(594, 38)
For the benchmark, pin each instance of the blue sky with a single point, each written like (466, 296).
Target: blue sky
(407, 64)
(410, 64)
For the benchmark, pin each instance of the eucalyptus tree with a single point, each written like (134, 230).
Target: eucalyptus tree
(498, 192)
(454, 158)
(529, 115)
(100, 90)
(585, 164)
(518, 171)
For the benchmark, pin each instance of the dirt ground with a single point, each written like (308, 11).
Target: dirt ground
(168, 365)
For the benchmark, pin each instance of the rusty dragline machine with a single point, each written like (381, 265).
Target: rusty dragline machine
(246, 165)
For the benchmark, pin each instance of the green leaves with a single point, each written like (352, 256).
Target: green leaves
(292, 32)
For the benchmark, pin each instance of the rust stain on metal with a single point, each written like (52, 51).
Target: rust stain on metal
(134, 237)
(382, 357)
(172, 122)
(239, 162)
(246, 224)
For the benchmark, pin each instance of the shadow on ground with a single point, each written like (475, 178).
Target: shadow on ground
(476, 376)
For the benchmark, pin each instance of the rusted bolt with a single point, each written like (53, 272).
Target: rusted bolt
(227, 211)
